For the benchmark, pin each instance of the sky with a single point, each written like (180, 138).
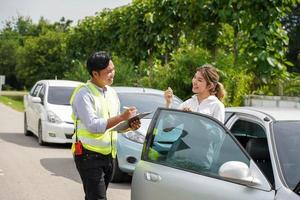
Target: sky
(53, 10)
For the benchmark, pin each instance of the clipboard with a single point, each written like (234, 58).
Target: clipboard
(125, 124)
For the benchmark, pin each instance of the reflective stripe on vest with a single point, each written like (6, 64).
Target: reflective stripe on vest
(93, 142)
(104, 143)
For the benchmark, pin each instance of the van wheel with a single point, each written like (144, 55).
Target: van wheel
(40, 134)
(26, 131)
(117, 175)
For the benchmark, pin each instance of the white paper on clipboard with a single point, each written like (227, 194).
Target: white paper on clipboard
(125, 124)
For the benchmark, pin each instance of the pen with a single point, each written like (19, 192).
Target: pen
(125, 107)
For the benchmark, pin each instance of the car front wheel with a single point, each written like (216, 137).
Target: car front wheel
(40, 134)
(26, 131)
(117, 175)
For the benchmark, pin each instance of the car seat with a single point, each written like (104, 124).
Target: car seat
(259, 151)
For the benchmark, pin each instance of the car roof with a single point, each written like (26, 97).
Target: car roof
(67, 83)
(123, 89)
(126, 89)
(277, 114)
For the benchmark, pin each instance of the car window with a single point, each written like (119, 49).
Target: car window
(252, 137)
(227, 116)
(248, 128)
(243, 130)
(32, 89)
(36, 90)
(144, 102)
(192, 142)
(60, 95)
(42, 93)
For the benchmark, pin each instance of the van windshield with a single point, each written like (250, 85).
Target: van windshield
(59, 95)
(145, 102)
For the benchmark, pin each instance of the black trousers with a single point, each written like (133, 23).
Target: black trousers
(95, 171)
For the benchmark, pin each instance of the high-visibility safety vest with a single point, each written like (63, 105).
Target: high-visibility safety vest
(105, 107)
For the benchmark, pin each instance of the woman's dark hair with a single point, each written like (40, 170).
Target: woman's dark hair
(97, 61)
(211, 76)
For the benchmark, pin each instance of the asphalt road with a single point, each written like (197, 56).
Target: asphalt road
(31, 172)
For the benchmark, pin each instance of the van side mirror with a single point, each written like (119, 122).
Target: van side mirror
(36, 100)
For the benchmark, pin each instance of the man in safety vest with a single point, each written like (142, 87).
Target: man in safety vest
(96, 109)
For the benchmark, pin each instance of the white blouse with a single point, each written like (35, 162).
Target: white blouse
(211, 106)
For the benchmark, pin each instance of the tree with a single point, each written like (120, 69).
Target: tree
(291, 23)
(8, 53)
(42, 57)
(259, 38)
(10, 40)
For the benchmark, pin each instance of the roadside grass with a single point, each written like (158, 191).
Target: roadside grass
(15, 102)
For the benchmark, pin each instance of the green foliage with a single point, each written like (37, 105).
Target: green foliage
(21, 25)
(77, 71)
(179, 72)
(183, 67)
(287, 86)
(13, 37)
(126, 72)
(16, 102)
(155, 76)
(291, 23)
(291, 87)
(236, 80)
(159, 43)
(8, 53)
(42, 57)
(258, 36)
(152, 30)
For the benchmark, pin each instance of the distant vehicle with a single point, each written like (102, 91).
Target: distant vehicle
(130, 144)
(48, 112)
(255, 155)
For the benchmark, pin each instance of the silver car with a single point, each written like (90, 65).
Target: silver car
(193, 156)
(130, 144)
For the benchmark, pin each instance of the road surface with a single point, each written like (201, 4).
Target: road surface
(31, 172)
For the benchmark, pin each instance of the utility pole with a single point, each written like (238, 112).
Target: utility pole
(2, 82)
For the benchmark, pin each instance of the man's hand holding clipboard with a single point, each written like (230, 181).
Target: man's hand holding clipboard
(132, 123)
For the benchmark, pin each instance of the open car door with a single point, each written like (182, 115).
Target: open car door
(193, 156)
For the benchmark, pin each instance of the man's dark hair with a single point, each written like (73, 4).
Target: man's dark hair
(97, 61)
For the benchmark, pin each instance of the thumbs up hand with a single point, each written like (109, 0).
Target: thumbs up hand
(169, 97)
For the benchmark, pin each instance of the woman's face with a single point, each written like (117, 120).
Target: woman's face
(199, 84)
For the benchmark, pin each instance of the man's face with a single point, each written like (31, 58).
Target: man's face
(105, 76)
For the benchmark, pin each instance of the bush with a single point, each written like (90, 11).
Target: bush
(126, 72)
(237, 82)
(77, 72)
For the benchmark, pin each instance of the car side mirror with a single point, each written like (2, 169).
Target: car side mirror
(238, 172)
(36, 100)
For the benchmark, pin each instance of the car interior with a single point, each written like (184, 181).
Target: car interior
(258, 150)
(253, 138)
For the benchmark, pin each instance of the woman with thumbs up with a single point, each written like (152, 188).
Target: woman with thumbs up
(208, 94)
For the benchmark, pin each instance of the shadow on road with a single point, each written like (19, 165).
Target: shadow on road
(120, 186)
(29, 141)
(63, 167)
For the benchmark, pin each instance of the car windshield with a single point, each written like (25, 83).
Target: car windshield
(287, 139)
(144, 102)
(60, 95)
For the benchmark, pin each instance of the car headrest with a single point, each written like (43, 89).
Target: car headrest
(258, 148)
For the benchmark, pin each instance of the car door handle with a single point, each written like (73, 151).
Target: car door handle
(151, 176)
